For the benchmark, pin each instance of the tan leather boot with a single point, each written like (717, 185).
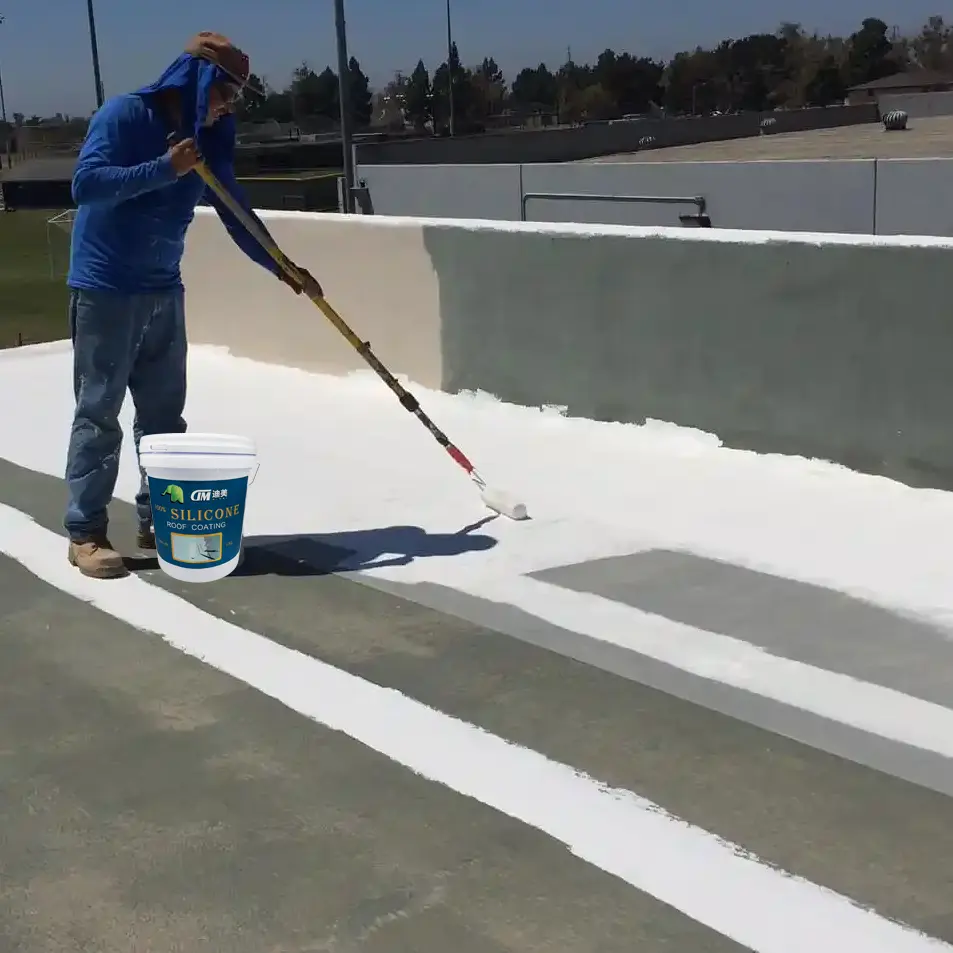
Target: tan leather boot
(95, 557)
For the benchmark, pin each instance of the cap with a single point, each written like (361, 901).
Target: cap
(218, 49)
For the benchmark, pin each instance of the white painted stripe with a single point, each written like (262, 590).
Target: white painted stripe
(872, 708)
(709, 880)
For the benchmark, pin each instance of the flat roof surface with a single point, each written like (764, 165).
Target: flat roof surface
(53, 169)
(402, 726)
(924, 138)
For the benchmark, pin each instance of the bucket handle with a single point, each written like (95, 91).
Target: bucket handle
(251, 479)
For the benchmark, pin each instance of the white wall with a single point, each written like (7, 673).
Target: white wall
(918, 105)
(379, 279)
(862, 196)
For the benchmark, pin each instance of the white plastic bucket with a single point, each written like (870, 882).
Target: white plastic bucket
(198, 484)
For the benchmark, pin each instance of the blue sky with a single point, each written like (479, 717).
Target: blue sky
(45, 60)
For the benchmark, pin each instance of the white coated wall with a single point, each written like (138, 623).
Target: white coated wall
(379, 279)
(861, 196)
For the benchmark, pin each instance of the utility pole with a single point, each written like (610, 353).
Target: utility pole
(453, 124)
(100, 98)
(3, 102)
(344, 95)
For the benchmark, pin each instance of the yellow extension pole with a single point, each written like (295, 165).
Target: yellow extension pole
(495, 499)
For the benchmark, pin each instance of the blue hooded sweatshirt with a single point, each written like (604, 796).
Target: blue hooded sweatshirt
(132, 210)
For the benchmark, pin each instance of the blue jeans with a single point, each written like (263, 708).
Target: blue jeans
(120, 341)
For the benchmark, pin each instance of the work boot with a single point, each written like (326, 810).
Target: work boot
(95, 557)
(145, 536)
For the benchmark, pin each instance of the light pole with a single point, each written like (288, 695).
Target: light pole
(453, 123)
(344, 95)
(3, 102)
(95, 50)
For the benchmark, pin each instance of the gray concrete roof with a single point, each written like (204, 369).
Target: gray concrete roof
(151, 801)
(56, 169)
(924, 138)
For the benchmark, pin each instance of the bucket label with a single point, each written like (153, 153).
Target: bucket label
(198, 523)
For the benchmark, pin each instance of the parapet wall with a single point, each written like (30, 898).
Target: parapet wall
(380, 278)
(918, 105)
(863, 196)
(833, 346)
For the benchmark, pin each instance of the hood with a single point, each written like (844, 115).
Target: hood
(193, 78)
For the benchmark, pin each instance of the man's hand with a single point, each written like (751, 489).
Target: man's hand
(310, 287)
(184, 156)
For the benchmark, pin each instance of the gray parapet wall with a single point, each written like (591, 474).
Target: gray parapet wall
(841, 351)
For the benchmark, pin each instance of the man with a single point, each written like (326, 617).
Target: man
(136, 196)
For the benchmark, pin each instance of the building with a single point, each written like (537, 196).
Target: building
(915, 81)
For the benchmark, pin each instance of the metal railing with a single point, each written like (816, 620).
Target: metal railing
(699, 218)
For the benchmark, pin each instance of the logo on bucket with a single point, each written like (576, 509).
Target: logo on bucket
(174, 493)
(198, 524)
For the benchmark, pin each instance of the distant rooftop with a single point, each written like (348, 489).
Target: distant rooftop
(45, 168)
(924, 139)
(915, 79)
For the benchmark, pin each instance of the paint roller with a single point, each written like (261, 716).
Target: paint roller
(493, 498)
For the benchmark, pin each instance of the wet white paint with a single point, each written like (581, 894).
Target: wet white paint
(340, 457)
(707, 879)
(339, 454)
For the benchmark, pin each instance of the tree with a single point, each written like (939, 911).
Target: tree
(360, 94)
(464, 96)
(691, 83)
(788, 68)
(489, 88)
(535, 88)
(755, 66)
(826, 87)
(868, 56)
(591, 103)
(419, 98)
(315, 94)
(632, 84)
(278, 106)
(390, 107)
(802, 56)
(254, 108)
(932, 49)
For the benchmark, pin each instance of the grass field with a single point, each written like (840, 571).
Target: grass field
(34, 259)
(33, 303)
